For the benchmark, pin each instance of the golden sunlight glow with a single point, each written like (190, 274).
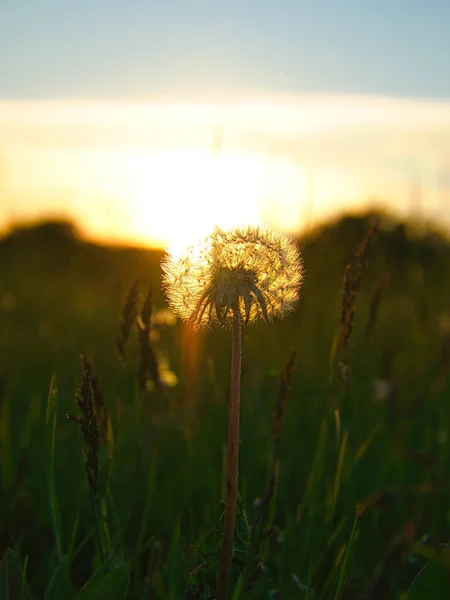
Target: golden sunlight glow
(178, 197)
(146, 173)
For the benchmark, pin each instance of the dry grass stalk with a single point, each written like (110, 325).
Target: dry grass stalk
(88, 422)
(148, 363)
(374, 306)
(262, 529)
(280, 406)
(103, 415)
(129, 315)
(353, 278)
(88, 398)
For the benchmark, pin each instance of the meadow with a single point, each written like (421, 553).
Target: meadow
(344, 453)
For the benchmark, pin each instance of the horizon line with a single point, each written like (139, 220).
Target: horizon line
(417, 223)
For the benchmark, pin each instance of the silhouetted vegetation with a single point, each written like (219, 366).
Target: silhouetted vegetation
(344, 446)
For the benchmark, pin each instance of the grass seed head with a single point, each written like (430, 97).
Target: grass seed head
(88, 422)
(255, 272)
(280, 406)
(353, 278)
(128, 318)
(148, 369)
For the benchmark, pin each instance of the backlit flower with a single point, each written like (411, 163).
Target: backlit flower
(253, 272)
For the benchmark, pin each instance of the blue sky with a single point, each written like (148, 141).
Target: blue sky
(118, 49)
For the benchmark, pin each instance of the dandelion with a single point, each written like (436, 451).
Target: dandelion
(253, 273)
(232, 278)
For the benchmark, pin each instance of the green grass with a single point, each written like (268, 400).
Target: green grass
(361, 498)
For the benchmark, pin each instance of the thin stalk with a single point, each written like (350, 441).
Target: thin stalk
(233, 462)
(349, 548)
(103, 556)
(95, 515)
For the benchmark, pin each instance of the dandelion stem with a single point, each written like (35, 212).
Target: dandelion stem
(233, 462)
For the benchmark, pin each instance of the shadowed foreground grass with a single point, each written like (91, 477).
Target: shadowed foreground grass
(344, 430)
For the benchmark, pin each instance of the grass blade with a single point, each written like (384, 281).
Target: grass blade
(338, 476)
(50, 432)
(344, 564)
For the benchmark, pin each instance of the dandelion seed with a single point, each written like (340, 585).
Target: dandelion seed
(254, 272)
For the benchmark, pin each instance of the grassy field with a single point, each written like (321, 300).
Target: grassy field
(344, 450)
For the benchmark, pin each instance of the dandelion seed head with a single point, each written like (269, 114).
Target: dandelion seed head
(254, 272)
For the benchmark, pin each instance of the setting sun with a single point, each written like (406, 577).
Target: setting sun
(176, 197)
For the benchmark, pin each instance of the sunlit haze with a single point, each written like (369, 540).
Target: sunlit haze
(149, 125)
(161, 173)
